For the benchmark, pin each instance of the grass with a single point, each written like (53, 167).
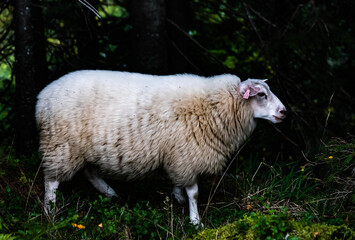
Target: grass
(254, 197)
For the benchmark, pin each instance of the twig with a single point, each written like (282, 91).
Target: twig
(252, 179)
(246, 7)
(224, 173)
(326, 199)
(287, 138)
(328, 115)
(197, 43)
(184, 56)
(87, 214)
(262, 17)
(90, 7)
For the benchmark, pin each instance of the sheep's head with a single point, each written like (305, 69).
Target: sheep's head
(263, 102)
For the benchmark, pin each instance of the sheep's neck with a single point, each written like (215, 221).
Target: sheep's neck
(219, 120)
(233, 120)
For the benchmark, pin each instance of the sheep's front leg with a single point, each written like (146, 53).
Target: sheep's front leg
(99, 183)
(50, 187)
(192, 193)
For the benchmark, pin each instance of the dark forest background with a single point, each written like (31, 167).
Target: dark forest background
(305, 48)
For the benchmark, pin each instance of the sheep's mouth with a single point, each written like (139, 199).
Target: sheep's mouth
(278, 119)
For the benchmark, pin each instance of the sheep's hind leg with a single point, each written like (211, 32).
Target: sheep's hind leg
(99, 183)
(178, 194)
(50, 195)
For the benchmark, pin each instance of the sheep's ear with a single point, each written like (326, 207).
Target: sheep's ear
(246, 94)
(247, 90)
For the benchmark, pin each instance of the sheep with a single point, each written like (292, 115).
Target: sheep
(124, 125)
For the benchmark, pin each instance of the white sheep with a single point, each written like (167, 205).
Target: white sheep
(123, 125)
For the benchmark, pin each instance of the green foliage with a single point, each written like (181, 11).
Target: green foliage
(6, 237)
(271, 226)
(82, 40)
(7, 85)
(321, 231)
(275, 225)
(278, 181)
(338, 158)
(333, 170)
(102, 218)
(220, 216)
(109, 219)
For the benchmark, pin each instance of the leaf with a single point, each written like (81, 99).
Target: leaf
(349, 158)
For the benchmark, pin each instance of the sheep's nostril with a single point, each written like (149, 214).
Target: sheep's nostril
(283, 111)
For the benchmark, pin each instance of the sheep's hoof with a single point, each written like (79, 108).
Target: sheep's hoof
(50, 210)
(47, 210)
(197, 224)
(116, 199)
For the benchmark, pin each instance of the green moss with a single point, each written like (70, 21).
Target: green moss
(275, 226)
(321, 231)
(236, 230)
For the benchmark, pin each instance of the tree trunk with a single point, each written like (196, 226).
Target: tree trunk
(149, 48)
(28, 77)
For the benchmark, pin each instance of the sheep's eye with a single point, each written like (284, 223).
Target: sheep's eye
(261, 94)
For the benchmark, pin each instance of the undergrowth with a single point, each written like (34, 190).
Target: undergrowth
(312, 198)
(274, 225)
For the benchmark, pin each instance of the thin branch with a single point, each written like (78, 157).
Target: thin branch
(198, 44)
(184, 56)
(287, 138)
(328, 115)
(90, 7)
(246, 7)
(224, 173)
(262, 17)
